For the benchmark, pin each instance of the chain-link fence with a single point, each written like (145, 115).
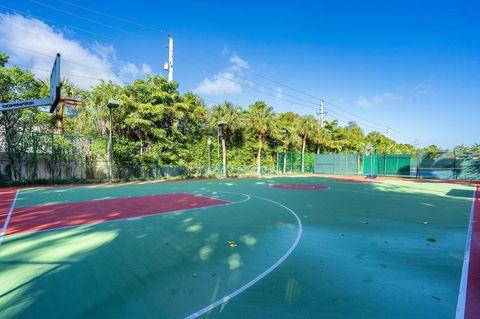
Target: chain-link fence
(291, 162)
(387, 164)
(346, 164)
(447, 165)
(38, 156)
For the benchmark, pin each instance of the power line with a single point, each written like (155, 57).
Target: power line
(159, 30)
(28, 14)
(112, 16)
(64, 74)
(236, 75)
(78, 16)
(63, 59)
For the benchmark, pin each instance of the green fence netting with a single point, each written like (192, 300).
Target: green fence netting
(387, 164)
(448, 165)
(291, 162)
(347, 164)
(38, 156)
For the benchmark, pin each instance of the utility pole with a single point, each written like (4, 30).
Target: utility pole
(388, 132)
(168, 66)
(321, 114)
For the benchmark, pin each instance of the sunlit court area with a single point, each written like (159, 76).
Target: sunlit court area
(239, 160)
(281, 247)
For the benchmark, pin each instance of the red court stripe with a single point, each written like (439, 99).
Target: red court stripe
(47, 217)
(6, 198)
(472, 304)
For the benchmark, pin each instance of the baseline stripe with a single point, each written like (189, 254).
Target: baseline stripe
(5, 225)
(472, 302)
(462, 294)
(263, 274)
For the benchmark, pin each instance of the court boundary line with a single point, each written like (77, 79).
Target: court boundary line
(462, 293)
(7, 219)
(126, 219)
(264, 273)
(327, 188)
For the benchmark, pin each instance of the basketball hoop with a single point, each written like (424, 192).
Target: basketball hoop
(69, 101)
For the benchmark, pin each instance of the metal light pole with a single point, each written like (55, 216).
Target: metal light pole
(112, 104)
(218, 150)
(220, 126)
(209, 142)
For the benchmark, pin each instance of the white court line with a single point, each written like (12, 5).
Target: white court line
(263, 274)
(5, 225)
(462, 294)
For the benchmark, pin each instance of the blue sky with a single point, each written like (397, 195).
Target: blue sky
(411, 65)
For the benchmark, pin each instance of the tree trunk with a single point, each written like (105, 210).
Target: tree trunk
(303, 153)
(224, 155)
(318, 148)
(284, 161)
(259, 156)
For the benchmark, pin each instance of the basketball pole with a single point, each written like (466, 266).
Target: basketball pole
(112, 104)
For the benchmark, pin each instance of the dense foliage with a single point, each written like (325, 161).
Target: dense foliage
(156, 124)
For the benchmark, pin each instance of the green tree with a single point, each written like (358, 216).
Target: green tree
(320, 138)
(261, 120)
(306, 128)
(432, 149)
(288, 134)
(228, 117)
(3, 59)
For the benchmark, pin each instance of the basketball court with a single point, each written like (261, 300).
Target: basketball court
(283, 247)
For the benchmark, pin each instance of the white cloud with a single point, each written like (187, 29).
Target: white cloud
(226, 81)
(238, 63)
(129, 72)
(279, 93)
(221, 83)
(97, 61)
(424, 89)
(146, 69)
(363, 101)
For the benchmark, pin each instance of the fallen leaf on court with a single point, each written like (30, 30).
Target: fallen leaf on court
(364, 222)
(431, 239)
(232, 244)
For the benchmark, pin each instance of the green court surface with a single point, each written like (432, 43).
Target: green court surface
(389, 249)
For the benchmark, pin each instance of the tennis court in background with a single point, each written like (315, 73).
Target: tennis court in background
(280, 247)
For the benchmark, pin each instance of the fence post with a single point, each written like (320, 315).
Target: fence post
(333, 169)
(384, 164)
(358, 164)
(277, 163)
(454, 165)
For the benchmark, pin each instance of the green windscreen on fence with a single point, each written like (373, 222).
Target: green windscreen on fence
(387, 164)
(448, 165)
(290, 162)
(348, 164)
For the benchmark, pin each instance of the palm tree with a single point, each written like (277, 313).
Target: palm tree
(306, 128)
(320, 137)
(261, 120)
(68, 90)
(226, 117)
(288, 136)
